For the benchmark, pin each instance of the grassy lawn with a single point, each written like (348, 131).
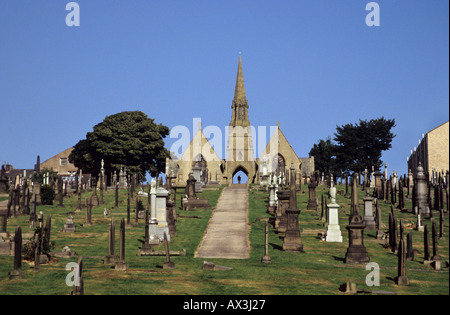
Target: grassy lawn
(319, 270)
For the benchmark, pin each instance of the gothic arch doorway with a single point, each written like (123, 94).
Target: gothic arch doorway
(240, 175)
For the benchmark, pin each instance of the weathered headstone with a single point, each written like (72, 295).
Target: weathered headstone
(136, 211)
(111, 257)
(211, 266)
(121, 265)
(37, 252)
(48, 229)
(368, 212)
(69, 226)
(78, 287)
(292, 240)
(421, 191)
(436, 256)
(393, 230)
(88, 211)
(266, 258)
(281, 220)
(401, 278)
(426, 243)
(16, 273)
(378, 221)
(116, 198)
(356, 252)
(128, 208)
(419, 226)
(312, 205)
(409, 247)
(168, 264)
(161, 213)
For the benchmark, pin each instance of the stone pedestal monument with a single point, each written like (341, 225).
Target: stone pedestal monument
(356, 251)
(161, 213)
(421, 191)
(333, 229)
(292, 240)
(368, 213)
(69, 226)
(153, 223)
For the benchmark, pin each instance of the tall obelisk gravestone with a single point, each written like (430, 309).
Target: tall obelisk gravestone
(356, 251)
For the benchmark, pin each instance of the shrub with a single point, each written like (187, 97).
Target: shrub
(47, 195)
(30, 246)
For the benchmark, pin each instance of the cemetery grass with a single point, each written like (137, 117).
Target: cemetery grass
(319, 270)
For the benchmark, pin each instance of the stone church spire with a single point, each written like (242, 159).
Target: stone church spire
(239, 92)
(240, 105)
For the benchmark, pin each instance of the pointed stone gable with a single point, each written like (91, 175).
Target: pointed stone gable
(200, 145)
(279, 145)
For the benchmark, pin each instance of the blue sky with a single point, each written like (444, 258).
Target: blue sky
(309, 64)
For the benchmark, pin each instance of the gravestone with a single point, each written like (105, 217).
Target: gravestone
(88, 202)
(292, 241)
(421, 191)
(161, 213)
(168, 264)
(94, 197)
(378, 221)
(312, 205)
(419, 226)
(121, 265)
(116, 198)
(197, 174)
(191, 201)
(333, 228)
(37, 252)
(48, 229)
(401, 278)
(409, 247)
(356, 251)
(272, 187)
(171, 217)
(266, 258)
(322, 212)
(78, 287)
(436, 256)
(128, 208)
(16, 273)
(401, 197)
(111, 257)
(426, 243)
(69, 226)
(392, 232)
(3, 181)
(264, 173)
(281, 220)
(368, 212)
(153, 223)
(136, 211)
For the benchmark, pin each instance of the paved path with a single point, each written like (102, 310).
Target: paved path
(227, 232)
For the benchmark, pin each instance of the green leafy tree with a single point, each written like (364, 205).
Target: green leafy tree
(360, 146)
(128, 139)
(324, 156)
